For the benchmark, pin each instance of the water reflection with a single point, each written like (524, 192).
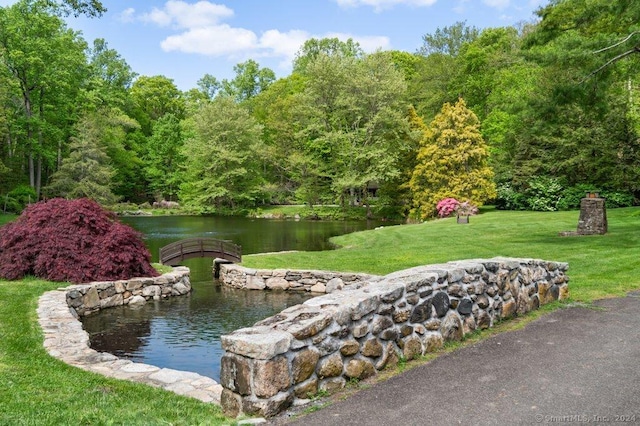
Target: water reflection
(254, 235)
(184, 332)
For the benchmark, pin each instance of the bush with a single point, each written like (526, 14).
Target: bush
(543, 194)
(571, 196)
(71, 240)
(447, 206)
(548, 194)
(20, 197)
(510, 199)
(616, 199)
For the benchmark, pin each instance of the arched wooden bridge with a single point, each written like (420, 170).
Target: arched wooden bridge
(173, 254)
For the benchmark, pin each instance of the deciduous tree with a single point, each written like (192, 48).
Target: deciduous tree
(221, 169)
(452, 162)
(46, 64)
(164, 157)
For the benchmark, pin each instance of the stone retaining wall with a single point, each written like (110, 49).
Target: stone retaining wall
(86, 299)
(349, 335)
(65, 339)
(237, 276)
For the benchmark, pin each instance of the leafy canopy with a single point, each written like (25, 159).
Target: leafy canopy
(452, 162)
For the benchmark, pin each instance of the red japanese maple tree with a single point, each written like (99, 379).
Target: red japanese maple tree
(72, 240)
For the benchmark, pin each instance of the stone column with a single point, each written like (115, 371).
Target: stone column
(593, 217)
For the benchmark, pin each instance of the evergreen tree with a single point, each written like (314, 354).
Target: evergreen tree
(452, 162)
(86, 172)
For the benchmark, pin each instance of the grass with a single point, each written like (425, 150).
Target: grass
(38, 389)
(4, 218)
(599, 265)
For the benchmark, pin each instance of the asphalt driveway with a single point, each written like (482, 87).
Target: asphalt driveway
(575, 365)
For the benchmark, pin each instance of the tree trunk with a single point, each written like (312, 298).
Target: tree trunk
(38, 177)
(29, 114)
(32, 173)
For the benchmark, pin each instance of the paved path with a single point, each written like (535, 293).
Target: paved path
(574, 365)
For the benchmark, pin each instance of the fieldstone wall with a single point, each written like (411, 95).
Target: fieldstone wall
(237, 276)
(86, 299)
(65, 339)
(352, 334)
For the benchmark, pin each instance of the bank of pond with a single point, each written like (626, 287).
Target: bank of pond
(183, 333)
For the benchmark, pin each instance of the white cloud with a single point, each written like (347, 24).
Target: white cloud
(127, 15)
(186, 15)
(199, 30)
(285, 45)
(219, 40)
(498, 4)
(379, 5)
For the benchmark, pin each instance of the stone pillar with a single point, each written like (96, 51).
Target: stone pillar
(593, 217)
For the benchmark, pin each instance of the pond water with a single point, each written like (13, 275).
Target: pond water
(184, 332)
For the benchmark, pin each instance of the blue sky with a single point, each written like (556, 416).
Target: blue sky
(184, 39)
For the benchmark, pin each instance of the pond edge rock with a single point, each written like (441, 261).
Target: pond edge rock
(65, 339)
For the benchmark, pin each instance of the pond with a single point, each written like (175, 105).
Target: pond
(183, 333)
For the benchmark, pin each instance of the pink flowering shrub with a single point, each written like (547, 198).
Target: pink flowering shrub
(447, 206)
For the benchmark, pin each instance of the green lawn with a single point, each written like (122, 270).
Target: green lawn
(4, 218)
(37, 389)
(599, 265)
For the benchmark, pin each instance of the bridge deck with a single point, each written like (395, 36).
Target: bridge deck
(173, 254)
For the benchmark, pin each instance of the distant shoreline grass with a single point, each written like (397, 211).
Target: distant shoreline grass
(298, 212)
(38, 389)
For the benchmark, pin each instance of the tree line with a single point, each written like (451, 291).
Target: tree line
(527, 117)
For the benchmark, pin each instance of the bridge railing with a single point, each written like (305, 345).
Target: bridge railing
(174, 253)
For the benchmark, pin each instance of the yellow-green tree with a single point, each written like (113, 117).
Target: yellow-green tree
(452, 162)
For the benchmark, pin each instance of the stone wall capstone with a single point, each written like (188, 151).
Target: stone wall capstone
(237, 276)
(351, 334)
(89, 298)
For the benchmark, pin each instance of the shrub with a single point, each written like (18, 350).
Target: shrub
(71, 240)
(571, 196)
(509, 199)
(543, 194)
(20, 197)
(616, 199)
(447, 206)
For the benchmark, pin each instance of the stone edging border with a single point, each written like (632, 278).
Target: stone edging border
(237, 276)
(65, 339)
